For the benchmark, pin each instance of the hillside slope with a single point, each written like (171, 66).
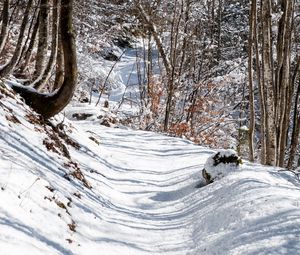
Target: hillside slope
(76, 187)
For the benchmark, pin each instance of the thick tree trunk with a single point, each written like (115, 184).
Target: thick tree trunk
(49, 105)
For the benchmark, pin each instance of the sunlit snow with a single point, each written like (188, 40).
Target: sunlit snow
(143, 198)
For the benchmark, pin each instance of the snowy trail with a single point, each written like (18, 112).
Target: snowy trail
(143, 199)
(130, 73)
(154, 177)
(138, 202)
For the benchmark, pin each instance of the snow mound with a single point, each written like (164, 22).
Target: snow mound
(220, 164)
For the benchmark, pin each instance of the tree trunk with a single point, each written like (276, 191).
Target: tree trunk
(59, 72)
(283, 77)
(170, 86)
(219, 39)
(262, 100)
(294, 142)
(267, 75)
(41, 81)
(250, 73)
(146, 19)
(4, 26)
(43, 38)
(31, 30)
(296, 120)
(49, 105)
(28, 53)
(7, 68)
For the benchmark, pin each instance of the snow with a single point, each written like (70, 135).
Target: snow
(244, 128)
(218, 170)
(143, 198)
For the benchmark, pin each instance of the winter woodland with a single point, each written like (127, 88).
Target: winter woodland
(118, 118)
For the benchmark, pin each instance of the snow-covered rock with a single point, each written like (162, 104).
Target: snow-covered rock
(220, 164)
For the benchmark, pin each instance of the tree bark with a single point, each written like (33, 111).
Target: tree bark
(283, 77)
(253, 14)
(59, 70)
(7, 68)
(267, 75)
(31, 30)
(28, 53)
(296, 120)
(294, 142)
(42, 80)
(4, 26)
(262, 100)
(43, 38)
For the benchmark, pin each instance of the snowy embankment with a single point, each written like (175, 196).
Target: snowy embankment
(89, 189)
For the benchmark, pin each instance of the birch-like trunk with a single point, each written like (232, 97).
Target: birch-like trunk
(253, 14)
(268, 80)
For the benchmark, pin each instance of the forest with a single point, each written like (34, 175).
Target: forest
(149, 127)
(220, 73)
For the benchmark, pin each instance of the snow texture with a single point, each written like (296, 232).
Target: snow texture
(143, 199)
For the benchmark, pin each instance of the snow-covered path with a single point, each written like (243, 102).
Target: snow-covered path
(157, 208)
(153, 179)
(143, 199)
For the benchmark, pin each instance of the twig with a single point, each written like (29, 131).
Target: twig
(25, 190)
